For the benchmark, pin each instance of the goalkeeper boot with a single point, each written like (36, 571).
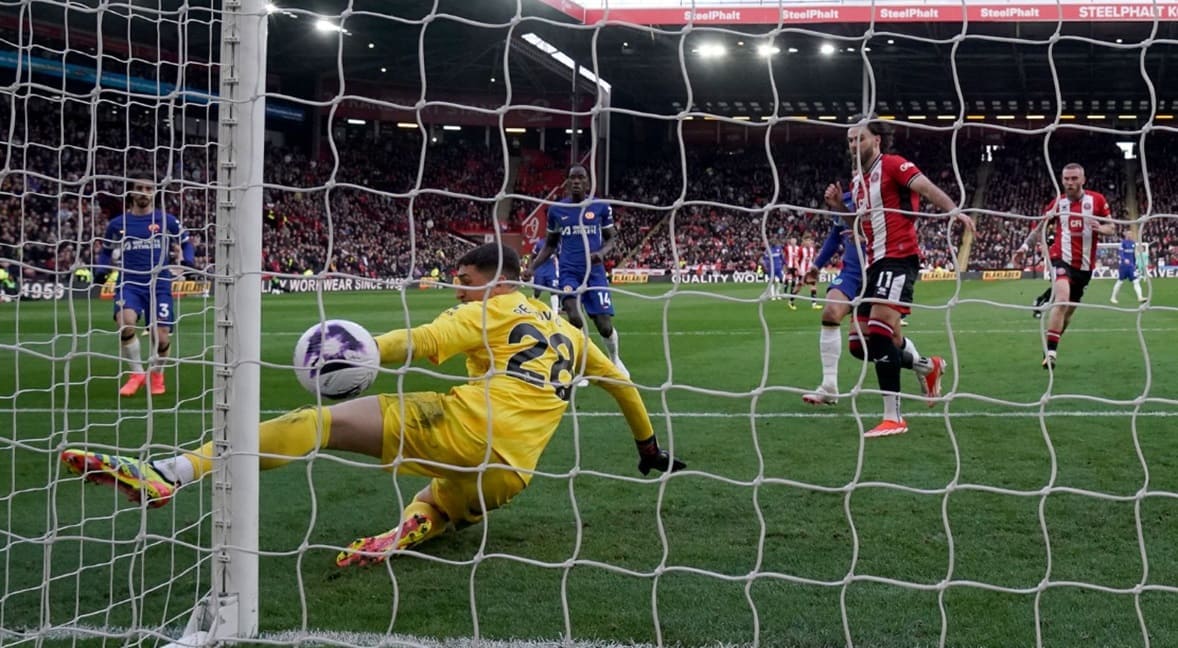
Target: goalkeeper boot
(133, 384)
(136, 479)
(887, 428)
(931, 382)
(157, 383)
(824, 395)
(1049, 361)
(375, 549)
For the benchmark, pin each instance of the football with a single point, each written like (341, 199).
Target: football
(336, 358)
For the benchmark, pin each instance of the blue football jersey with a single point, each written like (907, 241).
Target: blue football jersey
(580, 230)
(1128, 253)
(774, 261)
(146, 245)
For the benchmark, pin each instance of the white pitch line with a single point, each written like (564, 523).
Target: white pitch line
(46, 339)
(314, 637)
(654, 414)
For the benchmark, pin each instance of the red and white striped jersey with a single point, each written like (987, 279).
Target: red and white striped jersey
(793, 257)
(1075, 228)
(807, 257)
(880, 193)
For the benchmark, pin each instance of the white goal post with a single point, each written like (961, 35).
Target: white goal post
(230, 610)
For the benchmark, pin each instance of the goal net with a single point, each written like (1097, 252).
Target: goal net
(334, 160)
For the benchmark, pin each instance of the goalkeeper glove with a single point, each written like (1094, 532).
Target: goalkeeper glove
(651, 456)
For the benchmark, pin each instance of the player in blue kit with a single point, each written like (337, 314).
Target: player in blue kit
(584, 235)
(1127, 268)
(842, 290)
(140, 244)
(544, 277)
(774, 263)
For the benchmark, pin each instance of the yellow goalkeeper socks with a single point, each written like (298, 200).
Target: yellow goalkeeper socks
(291, 435)
(436, 518)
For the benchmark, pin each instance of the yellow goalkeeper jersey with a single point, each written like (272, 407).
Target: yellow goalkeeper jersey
(522, 359)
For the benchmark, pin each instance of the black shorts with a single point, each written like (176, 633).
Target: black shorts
(1077, 279)
(890, 280)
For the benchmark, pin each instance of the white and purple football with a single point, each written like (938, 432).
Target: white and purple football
(337, 358)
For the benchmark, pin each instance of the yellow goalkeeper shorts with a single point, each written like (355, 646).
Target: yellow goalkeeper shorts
(419, 425)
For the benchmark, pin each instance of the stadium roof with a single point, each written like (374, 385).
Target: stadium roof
(995, 66)
(1105, 63)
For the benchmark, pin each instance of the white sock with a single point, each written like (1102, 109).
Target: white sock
(892, 406)
(178, 470)
(920, 364)
(1117, 288)
(611, 345)
(555, 301)
(130, 352)
(830, 347)
(1137, 288)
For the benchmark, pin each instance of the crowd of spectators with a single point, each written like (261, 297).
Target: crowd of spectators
(395, 206)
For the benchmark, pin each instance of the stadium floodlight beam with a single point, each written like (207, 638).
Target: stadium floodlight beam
(827, 49)
(326, 26)
(766, 51)
(564, 59)
(712, 50)
(271, 7)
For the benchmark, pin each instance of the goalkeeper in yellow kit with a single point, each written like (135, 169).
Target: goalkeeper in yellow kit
(522, 359)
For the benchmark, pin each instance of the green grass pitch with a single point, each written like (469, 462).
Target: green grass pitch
(987, 520)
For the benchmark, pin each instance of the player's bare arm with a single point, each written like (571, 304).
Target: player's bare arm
(1036, 233)
(650, 455)
(932, 193)
(607, 246)
(550, 243)
(1107, 229)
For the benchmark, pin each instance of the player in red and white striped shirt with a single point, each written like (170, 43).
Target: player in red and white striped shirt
(793, 269)
(886, 190)
(806, 256)
(1073, 253)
